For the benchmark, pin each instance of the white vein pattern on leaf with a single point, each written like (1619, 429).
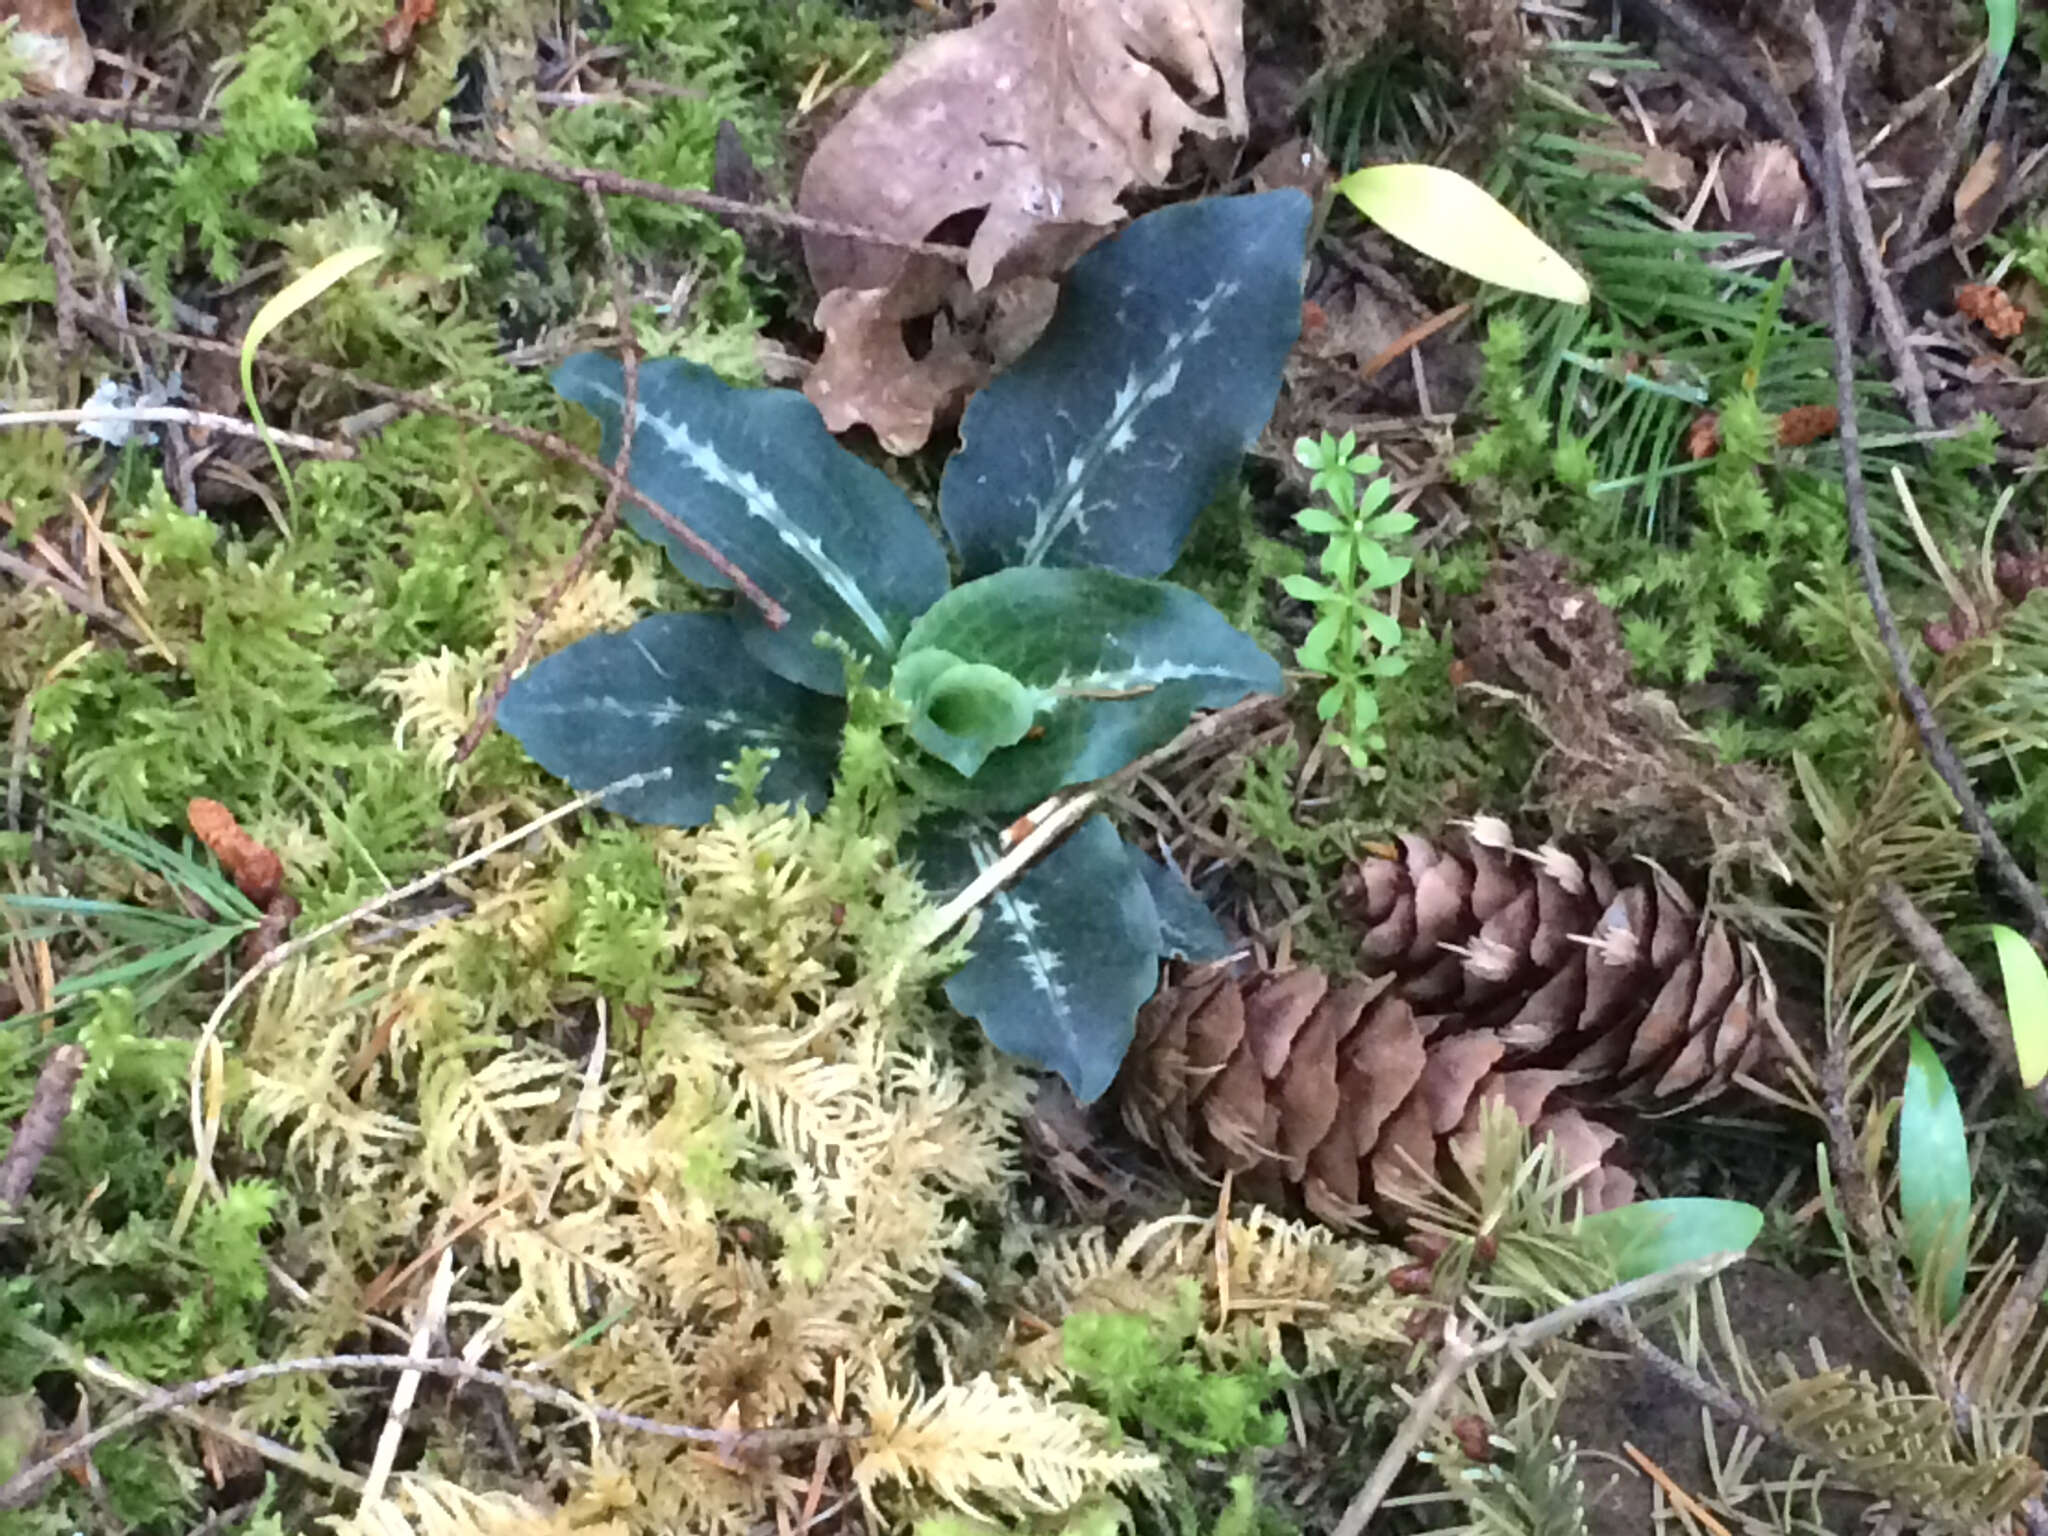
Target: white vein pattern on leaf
(1069, 508)
(1021, 928)
(1139, 675)
(760, 503)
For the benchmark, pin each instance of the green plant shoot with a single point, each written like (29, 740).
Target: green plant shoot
(2026, 1002)
(1353, 644)
(1934, 1177)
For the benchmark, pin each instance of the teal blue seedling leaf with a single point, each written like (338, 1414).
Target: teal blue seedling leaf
(1654, 1235)
(961, 711)
(754, 473)
(2026, 1002)
(1159, 369)
(1934, 1176)
(1188, 930)
(679, 691)
(1064, 957)
(2002, 18)
(1120, 664)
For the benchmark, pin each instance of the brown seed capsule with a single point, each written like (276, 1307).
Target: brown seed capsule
(2010, 573)
(1940, 638)
(1474, 1437)
(1427, 1246)
(1412, 1280)
(1485, 1249)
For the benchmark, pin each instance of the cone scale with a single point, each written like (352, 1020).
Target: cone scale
(1544, 979)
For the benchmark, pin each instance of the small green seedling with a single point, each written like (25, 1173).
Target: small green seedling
(1353, 644)
(1655, 1235)
(2002, 20)
(1059, 659)
(1934, 1178)
(1455, 221)
(2026, 1002)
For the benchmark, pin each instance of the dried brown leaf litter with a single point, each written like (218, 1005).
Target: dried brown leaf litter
(1027, 130)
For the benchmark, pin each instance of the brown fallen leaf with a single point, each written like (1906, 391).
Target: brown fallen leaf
(1980, 196)
(257, 872)
(1017, 136)
(50, 43)
(1767, 192)
(866, 373)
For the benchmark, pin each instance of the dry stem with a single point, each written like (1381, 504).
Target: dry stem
(56, 232)
(549, 443)
(1460, 1355)
(36, 1131)
(607, 520)
(24, 1485)
(78, 109)
(177, 415)
(1845, 196)
(1842, 324)
(1954, 978)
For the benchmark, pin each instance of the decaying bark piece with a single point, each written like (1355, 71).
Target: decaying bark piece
(1030, 125)
(36, 1132)
(1542, 979)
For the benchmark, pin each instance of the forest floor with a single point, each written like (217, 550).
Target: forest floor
(335, 1029)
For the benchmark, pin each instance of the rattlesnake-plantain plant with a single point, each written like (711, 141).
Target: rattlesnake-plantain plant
(1058, 660)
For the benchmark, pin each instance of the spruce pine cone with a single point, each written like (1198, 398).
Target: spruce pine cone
(1540, 979)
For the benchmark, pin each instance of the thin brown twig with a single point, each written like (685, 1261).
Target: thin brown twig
(95, 1369)
(76, 597)
(37, 1129)
(1952, 145)
(25, 1484)
(56, 233)
(1460, 1354)
(1849, 433)
(1934, 956)
(601, 528)
(549, 443)
(1846, 187)
(1859, 1198)
(78, 109)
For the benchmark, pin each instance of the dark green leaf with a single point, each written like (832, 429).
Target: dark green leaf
(1654, 1235)
(1159, 369)
(754, 473)
(1188, 930)
(1934, 1175)
(1123, 663)
(678, 691)
(1064, 957)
